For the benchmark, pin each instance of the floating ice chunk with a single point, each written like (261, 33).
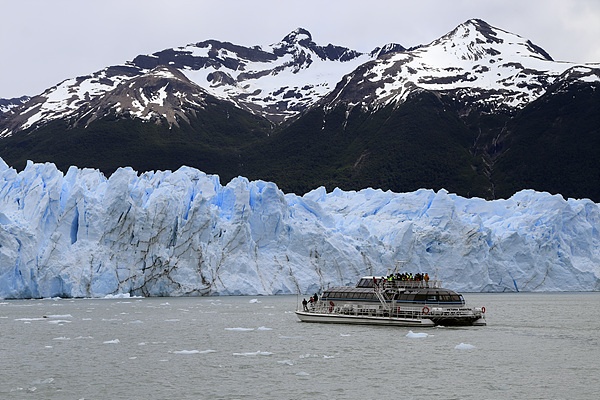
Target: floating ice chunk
(464, 346)
(309, 356)
(118, 296)
(59, 316)
(413, 335)
(59, 321)
(264, 328)
(194, 351)
(29, 319)
(186, 352)
(115, 341)
(254, 301)
(302, 373)
(286, 362)
(254, 353)
(61, 338)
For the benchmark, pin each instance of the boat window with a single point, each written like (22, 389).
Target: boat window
(365, 283)
(432, 297)
(420, 297)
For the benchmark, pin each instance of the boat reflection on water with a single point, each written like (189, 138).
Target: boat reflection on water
(382, 301)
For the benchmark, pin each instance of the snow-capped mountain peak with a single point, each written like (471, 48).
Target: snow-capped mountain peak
(475, 63)
(476, 39)
(161, 93)
(298, 36)
(275, 81)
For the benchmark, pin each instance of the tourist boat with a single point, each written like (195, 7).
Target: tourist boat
(379, 301)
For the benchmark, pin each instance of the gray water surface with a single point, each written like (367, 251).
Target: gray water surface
(536, 346)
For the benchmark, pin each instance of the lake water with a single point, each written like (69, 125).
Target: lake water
(536, 346)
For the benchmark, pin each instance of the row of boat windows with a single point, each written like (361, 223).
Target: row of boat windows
(350, 295)
(421, 297)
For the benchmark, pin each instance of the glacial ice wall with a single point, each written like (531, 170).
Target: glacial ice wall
(182, 233)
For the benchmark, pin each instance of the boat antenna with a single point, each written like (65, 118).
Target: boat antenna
(399, 265)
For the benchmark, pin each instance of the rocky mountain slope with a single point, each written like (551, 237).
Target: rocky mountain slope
(479, 111)
(275, 82)
(7, 104)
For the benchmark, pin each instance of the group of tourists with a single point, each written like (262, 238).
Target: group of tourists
(408, 276)
(312, 301)
(404, 277)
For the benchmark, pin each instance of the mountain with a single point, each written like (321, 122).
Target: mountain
(7, 104)
(473, 112)
(182, 233)
(276, 82)
(446, 115)
(480, 66)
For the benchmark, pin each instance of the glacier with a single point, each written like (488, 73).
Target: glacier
(182, 233)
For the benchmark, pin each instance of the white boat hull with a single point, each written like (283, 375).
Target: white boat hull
(306, 316)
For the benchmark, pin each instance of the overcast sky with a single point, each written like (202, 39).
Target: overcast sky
(43, 42)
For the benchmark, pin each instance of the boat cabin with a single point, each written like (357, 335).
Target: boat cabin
(407, 292)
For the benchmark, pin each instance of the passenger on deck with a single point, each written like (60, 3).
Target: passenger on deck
(305, 304)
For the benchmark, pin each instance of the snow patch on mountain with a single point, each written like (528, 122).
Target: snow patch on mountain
(291, 76)
(8, 104)
(183, 233)
(276, 81)
(493, 68)
(475, 64)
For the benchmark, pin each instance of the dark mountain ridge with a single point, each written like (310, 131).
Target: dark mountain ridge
(479, 112)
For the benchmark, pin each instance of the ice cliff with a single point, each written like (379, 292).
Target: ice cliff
(183, 233)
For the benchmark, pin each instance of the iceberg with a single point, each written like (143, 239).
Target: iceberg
(182, 233)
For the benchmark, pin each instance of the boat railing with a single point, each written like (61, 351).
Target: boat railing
(392, 310)
(399, 284)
